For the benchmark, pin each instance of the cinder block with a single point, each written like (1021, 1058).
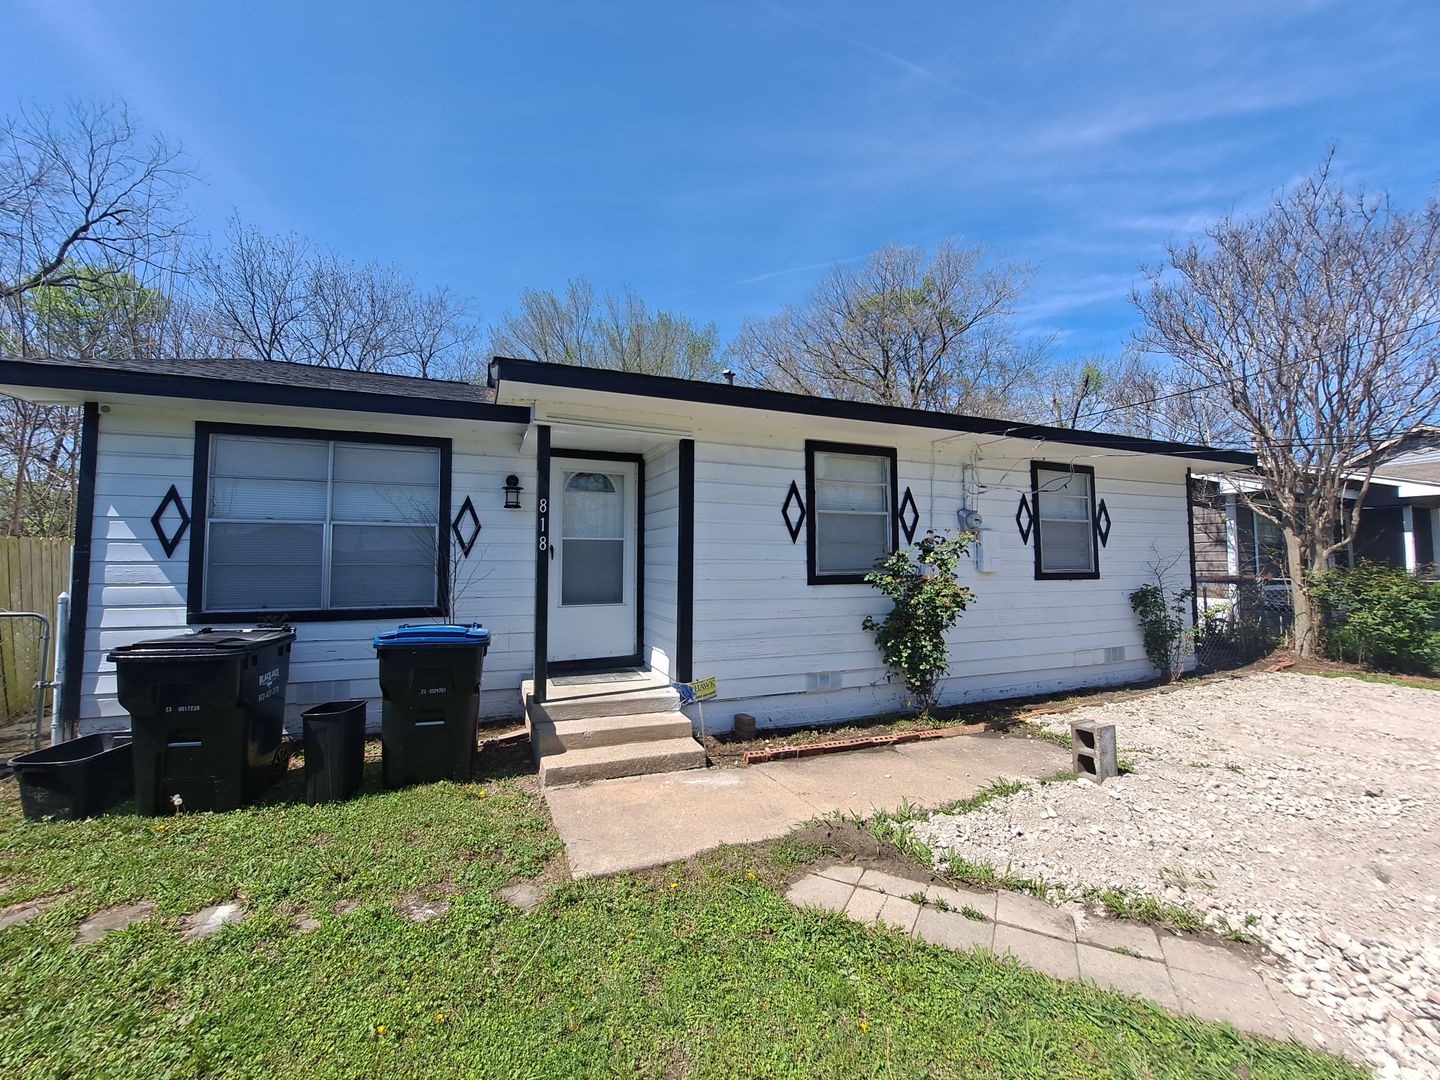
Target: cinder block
(1092, 747)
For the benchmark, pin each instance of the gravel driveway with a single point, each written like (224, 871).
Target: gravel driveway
(1305, 809)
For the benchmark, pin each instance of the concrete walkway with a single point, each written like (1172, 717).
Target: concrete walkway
(641, 821)
(1182, 975)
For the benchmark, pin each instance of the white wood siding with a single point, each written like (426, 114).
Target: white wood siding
(662, 535)
(791, 652)
(137, 593)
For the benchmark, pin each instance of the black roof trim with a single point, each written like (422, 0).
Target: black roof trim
(96, 379)
(744, 397)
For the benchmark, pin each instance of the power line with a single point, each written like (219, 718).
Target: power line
(1429, 323)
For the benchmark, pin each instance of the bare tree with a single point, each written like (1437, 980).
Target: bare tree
(618, 332)
(86, 189)
(925, 331)
(283, 298)
(1318, 325)
(1097, 391)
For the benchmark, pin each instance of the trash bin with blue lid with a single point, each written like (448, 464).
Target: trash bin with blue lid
(207, 712)
(430, 691)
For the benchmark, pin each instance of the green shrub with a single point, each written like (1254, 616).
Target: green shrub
(1165, 623)
(928, 601)
(1380, 616)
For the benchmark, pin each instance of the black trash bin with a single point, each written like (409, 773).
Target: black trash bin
(430, 685)
(334, 750)
(77, 779)
(206, 712)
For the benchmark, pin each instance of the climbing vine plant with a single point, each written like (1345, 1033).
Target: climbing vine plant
(927, 601)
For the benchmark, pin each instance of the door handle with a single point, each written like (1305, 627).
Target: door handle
(552, 552)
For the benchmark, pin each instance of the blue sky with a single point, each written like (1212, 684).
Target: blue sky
(719, 156)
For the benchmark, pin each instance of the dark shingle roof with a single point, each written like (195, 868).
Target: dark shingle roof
(265, 382)
(277, 373)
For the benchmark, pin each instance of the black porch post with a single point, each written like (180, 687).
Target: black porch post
(685, 568)
(542, 561)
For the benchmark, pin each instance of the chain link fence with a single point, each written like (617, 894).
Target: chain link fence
(1241, 619)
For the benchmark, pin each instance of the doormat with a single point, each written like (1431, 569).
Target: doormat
(599, 678)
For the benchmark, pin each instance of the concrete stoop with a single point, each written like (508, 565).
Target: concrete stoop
(602, 730)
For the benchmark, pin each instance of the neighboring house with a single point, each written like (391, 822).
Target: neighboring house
(595, 520)
(1399, 523)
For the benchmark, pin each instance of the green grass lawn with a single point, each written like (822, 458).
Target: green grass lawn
(701, 970)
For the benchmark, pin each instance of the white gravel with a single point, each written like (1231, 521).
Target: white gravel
(1305, 809)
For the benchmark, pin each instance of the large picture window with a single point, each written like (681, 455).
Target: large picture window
(318, 527)
(852, 510)
(1064, 497)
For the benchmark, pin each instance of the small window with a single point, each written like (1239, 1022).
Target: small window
(1064, 497)
(308, 527)
(852, 510)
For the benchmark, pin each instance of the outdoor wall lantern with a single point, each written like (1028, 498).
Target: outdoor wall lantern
(512, 492)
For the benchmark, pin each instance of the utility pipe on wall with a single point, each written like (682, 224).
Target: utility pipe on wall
(57, 721)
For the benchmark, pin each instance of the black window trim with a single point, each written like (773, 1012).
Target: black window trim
(813, 576)
(199, 513)
(1062, 575)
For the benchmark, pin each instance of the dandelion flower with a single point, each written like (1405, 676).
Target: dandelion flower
(440, 1018)
(380, 1029)
(864, 1025)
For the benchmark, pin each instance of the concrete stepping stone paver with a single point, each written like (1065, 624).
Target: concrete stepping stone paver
(1138, 978)
(1247, 1005)
(899, 913)
(818, 892)
(108, 920)
(1034, 915)
(848, 874)
(864, 905)
(419, 908)
(303, 924)
(952, 930)
(960, 899)
(1050, 955)
(524, 895)
(19, 914)
(1181, 975)
(1115, 935)
(209, 921)
(1205, 959)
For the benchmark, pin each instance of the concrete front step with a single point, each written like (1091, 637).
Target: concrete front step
(606, 699)
(629, 759)
(558, 736)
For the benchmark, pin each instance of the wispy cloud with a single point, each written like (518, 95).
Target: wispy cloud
(771, 274)
(919, 71)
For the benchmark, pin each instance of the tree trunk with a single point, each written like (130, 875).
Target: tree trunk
(1306, 627)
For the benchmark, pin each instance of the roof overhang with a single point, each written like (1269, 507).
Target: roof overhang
(73, 384)
(554, 388)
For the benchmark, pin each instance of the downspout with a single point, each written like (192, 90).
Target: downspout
(1190, 536)
(68, 701)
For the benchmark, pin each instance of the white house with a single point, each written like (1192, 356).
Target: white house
(692, 529)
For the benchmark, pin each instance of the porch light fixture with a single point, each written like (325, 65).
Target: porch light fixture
(512, 492)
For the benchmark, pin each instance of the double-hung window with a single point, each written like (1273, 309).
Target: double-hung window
(852, 510)
(314, 527)
(1064, 498)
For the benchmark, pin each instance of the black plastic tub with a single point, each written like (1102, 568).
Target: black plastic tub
(77, 779)
(334, 750)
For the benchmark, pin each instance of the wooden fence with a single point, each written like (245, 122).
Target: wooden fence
(33, 572)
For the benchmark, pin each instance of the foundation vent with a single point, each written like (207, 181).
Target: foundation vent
(1115, 654)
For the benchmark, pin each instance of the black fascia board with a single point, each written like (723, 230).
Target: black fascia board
(200, 388)
(602, 380)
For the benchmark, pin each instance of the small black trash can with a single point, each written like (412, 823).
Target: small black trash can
(77, 779)
(430, 683)
(206, 711)
(334, 750)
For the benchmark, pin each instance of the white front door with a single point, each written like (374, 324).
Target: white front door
(592, 559)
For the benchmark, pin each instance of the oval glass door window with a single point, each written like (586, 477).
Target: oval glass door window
(592, 523)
